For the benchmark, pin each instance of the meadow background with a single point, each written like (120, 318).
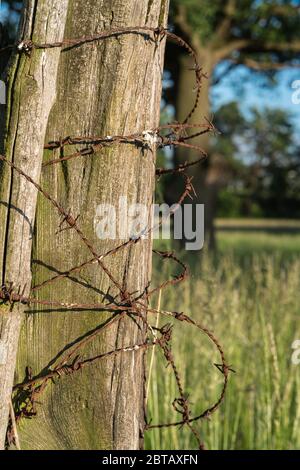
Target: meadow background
(248, 294)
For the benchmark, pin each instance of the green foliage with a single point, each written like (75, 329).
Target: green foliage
(264, 25)
(264, 157)
(277, 162)
(229, 205)
(201, 14)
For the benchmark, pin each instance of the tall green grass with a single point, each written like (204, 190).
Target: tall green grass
(244, 245)
(254, 310)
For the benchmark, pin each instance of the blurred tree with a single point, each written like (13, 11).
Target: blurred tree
(262, 35)
(257, 163)
(275, 182)
(225, 164)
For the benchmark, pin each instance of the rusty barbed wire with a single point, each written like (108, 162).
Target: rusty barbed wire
(27, 46)
(7, 293)
(224, 368)
(169, 255)
(67, 217)
(146, 138)
(26, 393)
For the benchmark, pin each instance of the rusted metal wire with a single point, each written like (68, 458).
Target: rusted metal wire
(67, 218)
(168, 255)
(175, 138)
(71, 361)
(8, 294)
(151, 34)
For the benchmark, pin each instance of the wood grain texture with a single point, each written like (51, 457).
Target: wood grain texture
(32, 88)
(105, 88)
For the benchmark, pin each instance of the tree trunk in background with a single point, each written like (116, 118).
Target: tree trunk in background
(31, 93)
(110, 87)
(205, 181)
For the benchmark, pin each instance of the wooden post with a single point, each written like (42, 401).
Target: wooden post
(109, 87)
(31, 87)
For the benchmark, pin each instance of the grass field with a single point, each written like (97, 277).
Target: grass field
(248, 238)
(248, 294)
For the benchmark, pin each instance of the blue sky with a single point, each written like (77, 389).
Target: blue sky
(4, 12)
(252, 90)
